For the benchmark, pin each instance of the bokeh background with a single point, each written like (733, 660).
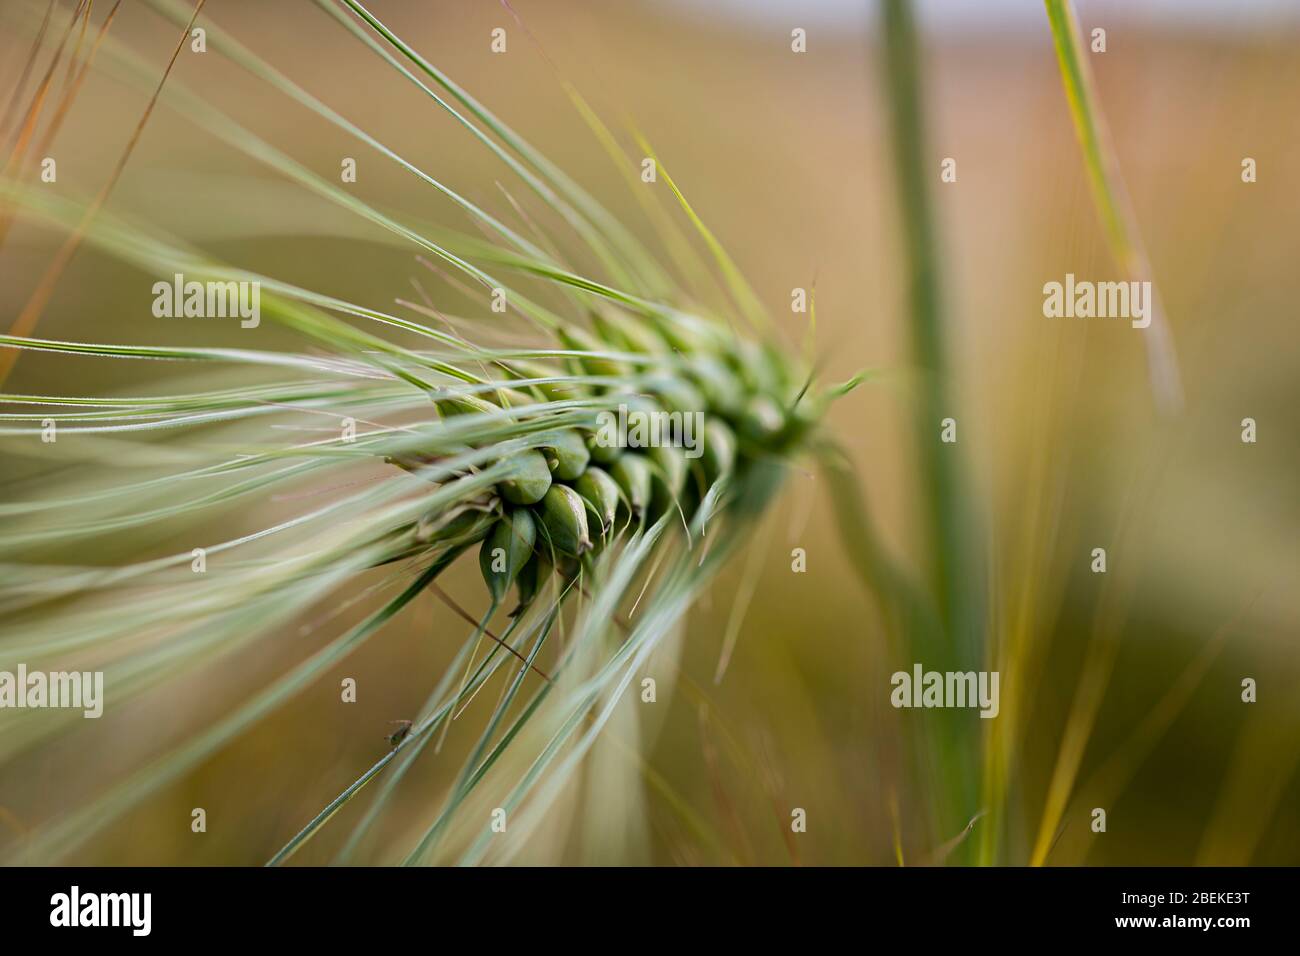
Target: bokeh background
(788, 158)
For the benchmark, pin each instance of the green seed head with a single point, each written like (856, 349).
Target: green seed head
(531, 478)
(502, 433)
(565, 518)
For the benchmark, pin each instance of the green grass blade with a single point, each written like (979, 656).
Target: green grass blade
(1110, 196)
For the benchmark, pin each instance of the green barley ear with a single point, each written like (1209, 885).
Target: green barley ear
(450, 443)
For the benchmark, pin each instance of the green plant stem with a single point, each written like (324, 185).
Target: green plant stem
(953, 573)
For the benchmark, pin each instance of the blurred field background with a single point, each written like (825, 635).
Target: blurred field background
(787, 158)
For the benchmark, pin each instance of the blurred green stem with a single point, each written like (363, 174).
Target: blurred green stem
(954, 575)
